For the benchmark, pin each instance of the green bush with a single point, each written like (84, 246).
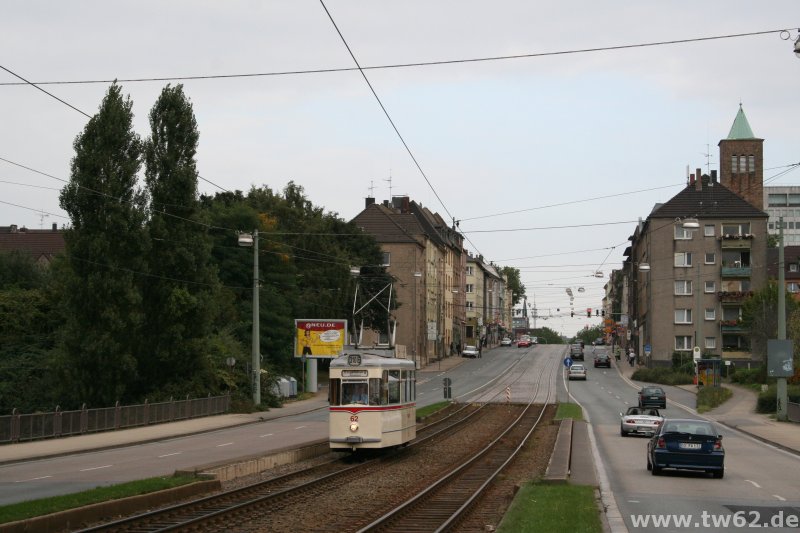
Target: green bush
(664, 376)
(683, 362)
(768, 400)
(747, 376)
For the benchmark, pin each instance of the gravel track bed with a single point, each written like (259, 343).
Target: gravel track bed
(354, 505)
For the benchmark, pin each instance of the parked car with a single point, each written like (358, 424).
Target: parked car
(686, 444)
(506, 341)
(469, 351)
(640, 420)
(602, 359)
(654, 396)
(576, 372)
(576, 352)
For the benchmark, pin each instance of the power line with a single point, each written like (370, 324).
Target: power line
(409, 65)
(51, 95)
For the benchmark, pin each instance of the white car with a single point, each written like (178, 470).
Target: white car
(577, 372)
(505, 342)
(644, 420)
(469, 351)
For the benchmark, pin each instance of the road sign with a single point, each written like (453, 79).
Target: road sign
(567, 362)
(647, 350)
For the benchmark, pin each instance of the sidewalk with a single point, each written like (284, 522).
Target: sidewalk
(26, 451)
(738, 412)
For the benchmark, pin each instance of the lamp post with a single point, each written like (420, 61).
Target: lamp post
(418, 364)
(247, 239)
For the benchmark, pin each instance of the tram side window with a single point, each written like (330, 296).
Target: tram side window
(394, 386)
(374, 391)
(334, 396)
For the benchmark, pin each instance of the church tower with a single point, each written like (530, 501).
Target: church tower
(741, 161)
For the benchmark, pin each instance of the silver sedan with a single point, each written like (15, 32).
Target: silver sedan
(642, 420)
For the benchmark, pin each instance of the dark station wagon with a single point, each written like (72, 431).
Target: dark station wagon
(652, 396)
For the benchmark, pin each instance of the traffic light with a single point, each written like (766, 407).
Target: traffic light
(589, 313)
(596, 312)
(572, 313)
(603, 313)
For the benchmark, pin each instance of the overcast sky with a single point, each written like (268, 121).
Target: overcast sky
(547, 162)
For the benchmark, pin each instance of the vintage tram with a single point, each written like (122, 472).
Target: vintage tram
(372, 400)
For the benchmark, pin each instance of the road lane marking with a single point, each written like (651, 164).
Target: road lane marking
(299, 427)
(226, 444)
(169, 454)
(756, 485)
(781, 498)
(266, 435)
(32, 479)
(96, 468)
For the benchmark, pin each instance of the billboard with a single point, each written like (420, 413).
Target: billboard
(319, 338)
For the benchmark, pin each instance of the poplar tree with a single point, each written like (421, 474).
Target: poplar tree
(179, 294)
(105, 247)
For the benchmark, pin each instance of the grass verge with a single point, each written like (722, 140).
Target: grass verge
(54, 504)
(711, 397)
(552, 508)
(569, 410)
(428, 410)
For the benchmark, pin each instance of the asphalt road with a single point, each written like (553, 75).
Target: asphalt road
(760, 481)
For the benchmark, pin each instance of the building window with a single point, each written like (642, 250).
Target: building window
(711, 343)
(711, 314)
(751, 163)
(470, 288)
(711, 258)
(387, 259)
(742, 164)
(710, 287)
(682, 233)
(708, 230)
(470, 270)
(470, 305)
(794, 200)
(683, 343)
(734, 164)
(736, 229)
(771, 225)
(793, 287)
(683, 259)
(792, 267)
(683, 316)
(683, 287)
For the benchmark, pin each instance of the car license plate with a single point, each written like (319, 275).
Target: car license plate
(689, 445)
(654, 397)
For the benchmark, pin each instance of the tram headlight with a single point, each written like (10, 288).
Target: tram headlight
(353, 426)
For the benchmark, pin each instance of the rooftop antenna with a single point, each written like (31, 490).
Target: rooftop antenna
(42, 216)
(707, 155)
(371, 189)
(390, 183)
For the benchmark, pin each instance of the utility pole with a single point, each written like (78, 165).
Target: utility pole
(783, 395)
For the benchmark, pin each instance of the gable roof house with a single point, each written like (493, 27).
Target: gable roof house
(41, 244)
(427, 259)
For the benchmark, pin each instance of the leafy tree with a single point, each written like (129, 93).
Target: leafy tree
(180, 291)
(547, 336)
(514, 283)
(106, 249)
(760, 316)
(588, 335)
(18, 269)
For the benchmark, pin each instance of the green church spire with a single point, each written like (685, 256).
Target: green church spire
(741, 128)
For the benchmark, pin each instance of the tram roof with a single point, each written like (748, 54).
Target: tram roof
(372, 357)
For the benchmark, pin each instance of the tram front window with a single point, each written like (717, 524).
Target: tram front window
(354, 393)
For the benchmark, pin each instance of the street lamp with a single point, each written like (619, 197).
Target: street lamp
(418, 364)
(247, 239)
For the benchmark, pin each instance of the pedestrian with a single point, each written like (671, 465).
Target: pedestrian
(631, 357)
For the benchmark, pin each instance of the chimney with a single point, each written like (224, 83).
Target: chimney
(369, 201)
(386, 203)
(13, 228)
(55, 226)
(713, 176)
(698, 181)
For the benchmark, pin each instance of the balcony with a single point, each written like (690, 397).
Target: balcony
(733, 296)
(731, 326)
(736, 270)
(735, 241)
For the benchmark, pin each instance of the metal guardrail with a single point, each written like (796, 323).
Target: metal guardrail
(18, 427)
(793, 411)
